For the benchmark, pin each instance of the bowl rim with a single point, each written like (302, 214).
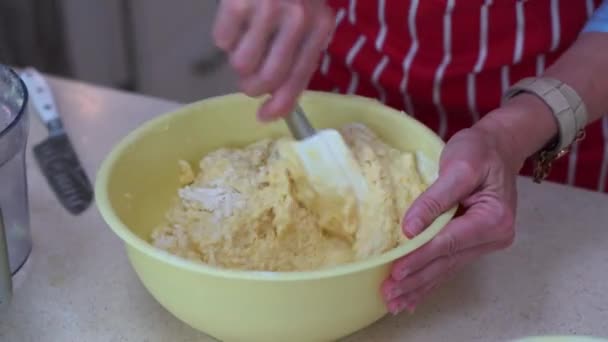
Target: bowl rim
(18, 82)
(132, 240)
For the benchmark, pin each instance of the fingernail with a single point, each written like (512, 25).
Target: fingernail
(394, 293)
(397, 307)
(412, 228)
(410, 308)
(265, 117)
(402, 273)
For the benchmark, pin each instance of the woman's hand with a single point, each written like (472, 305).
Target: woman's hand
(478, 170)
(274, 45)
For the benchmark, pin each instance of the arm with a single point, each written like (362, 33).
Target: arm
(527, 123)
(478, 170)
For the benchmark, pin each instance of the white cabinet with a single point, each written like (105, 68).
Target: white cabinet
(175, 54)
(95, 41)
(165, 47)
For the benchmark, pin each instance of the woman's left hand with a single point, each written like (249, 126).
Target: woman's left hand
(477, 172)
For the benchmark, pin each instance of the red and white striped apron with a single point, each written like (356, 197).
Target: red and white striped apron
(447, 62)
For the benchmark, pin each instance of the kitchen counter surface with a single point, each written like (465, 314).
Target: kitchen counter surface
(78, 285)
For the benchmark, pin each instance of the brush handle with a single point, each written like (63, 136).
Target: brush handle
(42, 100)
(298, 124)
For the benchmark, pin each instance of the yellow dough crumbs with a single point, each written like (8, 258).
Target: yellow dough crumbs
(253, 208)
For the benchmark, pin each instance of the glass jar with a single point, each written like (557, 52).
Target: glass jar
(15, 237)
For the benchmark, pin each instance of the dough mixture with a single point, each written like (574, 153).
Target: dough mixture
(253, 208)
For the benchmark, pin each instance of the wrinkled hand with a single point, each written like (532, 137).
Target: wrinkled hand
(274, 45)
(479, 174)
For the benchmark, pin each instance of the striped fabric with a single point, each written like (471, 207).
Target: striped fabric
(448, 62)
(599, 20)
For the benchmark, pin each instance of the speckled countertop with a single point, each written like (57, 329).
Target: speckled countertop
(78, 285)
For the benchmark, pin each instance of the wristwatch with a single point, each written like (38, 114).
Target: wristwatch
(569, 111)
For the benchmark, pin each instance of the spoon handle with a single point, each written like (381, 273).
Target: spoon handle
(298, 124)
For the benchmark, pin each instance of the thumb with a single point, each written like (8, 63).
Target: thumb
(456, 181)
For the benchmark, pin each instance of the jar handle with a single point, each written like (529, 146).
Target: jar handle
(6, 286)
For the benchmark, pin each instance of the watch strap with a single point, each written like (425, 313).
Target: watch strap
(566, 105)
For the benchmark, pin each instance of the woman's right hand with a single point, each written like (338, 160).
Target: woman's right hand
(274, 45)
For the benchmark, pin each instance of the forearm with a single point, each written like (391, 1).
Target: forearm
(526, 124)
(585, 68)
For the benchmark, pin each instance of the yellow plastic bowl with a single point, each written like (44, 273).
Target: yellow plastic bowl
(139, 178)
